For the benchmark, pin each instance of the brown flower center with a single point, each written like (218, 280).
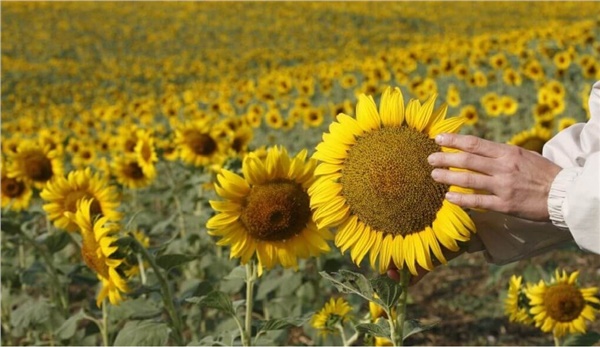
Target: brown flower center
(276, 211)
(70, 202)
(12, 188)
(38, 167)
(133, 171)
(563, 302)
(387, 180)
(201, 144)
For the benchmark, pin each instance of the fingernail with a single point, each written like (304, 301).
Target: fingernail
(439, 139)
(432, 158)
(435, 173)
(451, 196)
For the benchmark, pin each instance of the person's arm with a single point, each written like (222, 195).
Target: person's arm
(563, 188)
(574, 197)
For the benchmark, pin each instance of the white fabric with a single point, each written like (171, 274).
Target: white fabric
(574, 199)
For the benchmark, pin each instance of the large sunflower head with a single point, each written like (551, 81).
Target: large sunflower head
(561, 306)
(35, 164)
(267, 211)
(336, 311)
(98, 249)
(62, 195)
(374, 184)
(516, 304)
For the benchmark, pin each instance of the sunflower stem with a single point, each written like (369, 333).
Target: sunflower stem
(250, 278)
(342, 334)
(104, 329)
(397, 324)
(175, 187)
(167, 295)
(142, 268)
(557, 341)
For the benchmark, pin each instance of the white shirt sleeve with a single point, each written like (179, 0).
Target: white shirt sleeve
(574, 199)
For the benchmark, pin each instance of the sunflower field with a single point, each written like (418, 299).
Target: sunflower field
(244, 173)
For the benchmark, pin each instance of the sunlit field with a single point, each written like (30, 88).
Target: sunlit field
(228, 173)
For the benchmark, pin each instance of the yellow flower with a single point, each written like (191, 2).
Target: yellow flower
(566, 122)
(561, 306)
(533, 139)
(146, 153)
(34, 164)
(198, 144)
(453, 96)
(267, 212)
(96, 250)
(129, 173)
(15, 193)
(469, 113)
(333, 313)
(375, 184)
(63, 194)
(509, 105)
(515, 304)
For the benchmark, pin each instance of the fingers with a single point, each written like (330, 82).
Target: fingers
(486, 202)
(462, 160)
(462, 179)
(471, 144)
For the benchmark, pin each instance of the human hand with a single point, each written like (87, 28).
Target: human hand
(518, 180)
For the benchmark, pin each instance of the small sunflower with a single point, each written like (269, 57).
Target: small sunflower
(35, 164)
(375, 184)
(516, 304)
(470, 114)
(566, 122)
(62, 195)
(533, 139)
(146, 153)
(98, 237)
(129, 172)
(198, 145)
(333, 313)
(16, 194)
(562, 307)
(267, 212)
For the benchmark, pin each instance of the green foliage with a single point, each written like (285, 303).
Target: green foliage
(143, 333)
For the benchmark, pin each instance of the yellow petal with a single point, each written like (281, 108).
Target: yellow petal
(366, 113)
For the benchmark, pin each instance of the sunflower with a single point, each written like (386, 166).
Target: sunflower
(129, 172)
(334, 312)
(561, 306)
(96, 250)
(566, 122)
(267, 212)
(469, 113)
(146, 153)
(198, 145)
(375, 184)
(35, 164)
(533, 139)
(16, 194)
(62, 195)
(516, 304)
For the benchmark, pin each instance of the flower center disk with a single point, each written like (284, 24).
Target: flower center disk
(276, 211)
(38, 167)
(201, 144)
(563, 302)
(387, 180)
(11, 187)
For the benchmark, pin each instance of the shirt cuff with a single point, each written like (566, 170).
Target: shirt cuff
(557, 194)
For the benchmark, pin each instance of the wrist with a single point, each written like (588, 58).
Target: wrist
(557, 194)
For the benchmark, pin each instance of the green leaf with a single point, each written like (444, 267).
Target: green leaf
(238, 273)
(57, 241)
(69, 327)
(381, 329)
(352, 282)
(143, 333)
(589, 339)
(10, 227)
(215, 299)
(412, 326)
(283, 323)
(30, 313)
(169, 261)
(388, 290)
